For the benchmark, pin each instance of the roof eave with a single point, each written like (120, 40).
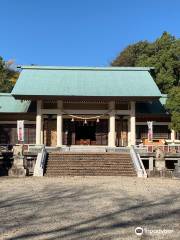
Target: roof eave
(41, 97)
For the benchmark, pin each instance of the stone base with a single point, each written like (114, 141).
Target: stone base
(177, 170)
(17, 169)
(17, 172)
(176, 174)
(160, 165)
(160, 173)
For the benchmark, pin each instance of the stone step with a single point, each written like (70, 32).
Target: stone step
(89, 160)
(88, 154)
(85, 173)
(88, 157)
(99, 168)
(89, 171)
(89, 174)
(90, 164)
(90, 167)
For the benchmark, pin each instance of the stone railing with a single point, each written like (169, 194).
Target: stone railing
(40, 163)
(172, 148)
(6, 147)
(32, 148)
(118, 149)
(138, 164)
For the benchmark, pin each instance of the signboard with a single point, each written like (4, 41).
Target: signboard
(150, 130)
(20, 130)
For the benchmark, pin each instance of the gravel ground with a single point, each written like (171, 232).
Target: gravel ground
(89, 208)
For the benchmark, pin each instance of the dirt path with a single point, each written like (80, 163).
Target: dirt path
(89, 208)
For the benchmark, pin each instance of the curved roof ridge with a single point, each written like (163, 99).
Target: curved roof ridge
(86, 68)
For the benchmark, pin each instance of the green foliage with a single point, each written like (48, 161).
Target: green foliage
(163, 55)
(8, 76)
(173, 105)
(129, 56)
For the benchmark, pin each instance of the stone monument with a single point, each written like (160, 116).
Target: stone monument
(160, 160)
(17, 169)
(177, 169)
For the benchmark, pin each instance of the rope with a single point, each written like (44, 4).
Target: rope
(86, 118)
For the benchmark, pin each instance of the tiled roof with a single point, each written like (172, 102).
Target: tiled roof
(85, 82)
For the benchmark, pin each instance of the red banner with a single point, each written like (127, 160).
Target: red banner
(20, 130)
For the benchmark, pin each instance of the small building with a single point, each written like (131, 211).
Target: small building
(107, 106)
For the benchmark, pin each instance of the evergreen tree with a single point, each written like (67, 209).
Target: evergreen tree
(163, 55)
(173, 105)
(8, 76)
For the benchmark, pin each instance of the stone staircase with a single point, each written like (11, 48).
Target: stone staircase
(89, 164)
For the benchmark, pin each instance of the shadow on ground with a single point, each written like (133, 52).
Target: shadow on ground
(85, 212)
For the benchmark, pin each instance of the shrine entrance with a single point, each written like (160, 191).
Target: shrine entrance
(80, 133)
(86, 134)
(121, 132)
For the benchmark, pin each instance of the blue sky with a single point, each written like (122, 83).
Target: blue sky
(81, 32)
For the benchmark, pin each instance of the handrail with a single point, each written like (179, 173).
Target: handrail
(6, 147)
(150, 148)
(40, 163)
(34, 147)
(138, 164)
(117, 149)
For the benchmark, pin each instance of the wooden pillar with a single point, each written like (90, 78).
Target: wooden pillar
(112, 131)
(151, 163)
(38, 122)
(129, 132)
(59, 124)
(42, 130)
(133, 124)
(173, 135)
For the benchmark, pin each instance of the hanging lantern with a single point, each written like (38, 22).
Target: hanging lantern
(97, 120)
(72, 120)
(85, 121)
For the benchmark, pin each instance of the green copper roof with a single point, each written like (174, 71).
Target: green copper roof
(163, 99)
(85, 81)
(8, 104)
(154, 107)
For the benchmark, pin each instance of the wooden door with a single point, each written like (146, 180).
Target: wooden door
(50, 132)
(102, 132)
(121, 132)
(68, 132)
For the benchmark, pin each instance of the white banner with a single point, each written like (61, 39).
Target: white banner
(20, 130)
(150, 130)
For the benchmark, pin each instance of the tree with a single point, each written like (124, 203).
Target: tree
(8, 76)
(128, 57)
(173, 105)
(162, 54)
